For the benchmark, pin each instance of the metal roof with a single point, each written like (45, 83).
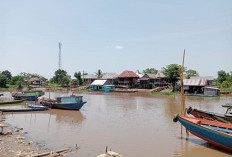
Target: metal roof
(89, 76)
(202, 77)
(109, 76)
(98, 82)
(128, 74)
(195, 82)
(216, 88)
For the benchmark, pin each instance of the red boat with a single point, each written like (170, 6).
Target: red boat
(216, 133)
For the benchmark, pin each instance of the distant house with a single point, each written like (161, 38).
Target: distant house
(111, 77)
(102, 85)
(34, 81)
(195, 85)
(128, 78)
(88, 79)
(153, 80)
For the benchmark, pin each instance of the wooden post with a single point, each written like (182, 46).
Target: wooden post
(183, 110)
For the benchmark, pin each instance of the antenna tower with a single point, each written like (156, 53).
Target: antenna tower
(59, 63)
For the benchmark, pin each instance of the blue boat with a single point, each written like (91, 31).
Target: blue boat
(69, 103)
(216, 133)
(29, 97)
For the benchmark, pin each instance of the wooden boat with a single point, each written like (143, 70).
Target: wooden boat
(27, 95)
(216, 133)
(11, 102)
(226, 118)
(70, 103)
(31, 108)
(201, 95)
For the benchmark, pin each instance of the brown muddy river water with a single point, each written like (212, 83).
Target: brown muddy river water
(134, 126)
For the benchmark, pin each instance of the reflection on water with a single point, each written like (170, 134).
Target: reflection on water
(133, 125)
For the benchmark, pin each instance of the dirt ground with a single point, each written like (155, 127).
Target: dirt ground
(14, 144)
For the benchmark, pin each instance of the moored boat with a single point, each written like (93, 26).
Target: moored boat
(226, 118)
(200, 95)
(27, 95)
(11, 102)
(70, 102)
(216, 133)
(31, 107)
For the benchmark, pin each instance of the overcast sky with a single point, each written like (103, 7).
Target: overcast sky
(115, 35)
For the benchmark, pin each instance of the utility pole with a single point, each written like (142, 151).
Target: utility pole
(59, 63)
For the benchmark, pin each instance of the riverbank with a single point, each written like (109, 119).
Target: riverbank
(14, 143)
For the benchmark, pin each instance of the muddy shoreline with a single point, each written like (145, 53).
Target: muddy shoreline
(13, 142)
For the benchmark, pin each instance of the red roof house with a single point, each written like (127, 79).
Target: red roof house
(128, 78)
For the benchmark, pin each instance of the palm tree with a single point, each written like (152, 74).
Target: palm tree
(99, 74)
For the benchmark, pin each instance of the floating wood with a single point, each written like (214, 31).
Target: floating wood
(57, 151)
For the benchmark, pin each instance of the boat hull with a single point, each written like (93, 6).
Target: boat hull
(68, 106)
(217, 138)
(11, 102)
(209, 115)
(201, 95)
(29, 97)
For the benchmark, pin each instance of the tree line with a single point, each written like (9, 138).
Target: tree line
(61, 77)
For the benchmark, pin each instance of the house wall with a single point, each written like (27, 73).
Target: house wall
(211, 92)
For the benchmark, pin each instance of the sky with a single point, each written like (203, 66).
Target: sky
(115, 35)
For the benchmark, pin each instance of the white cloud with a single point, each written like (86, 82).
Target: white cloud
(119, 47)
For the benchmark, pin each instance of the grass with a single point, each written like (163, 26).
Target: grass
(226, 89)
(11, 88)
(83, 90)
(164, 94)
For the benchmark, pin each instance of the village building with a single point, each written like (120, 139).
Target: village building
(88, 79)
(111, 77)
(102, 85)
(128, 79)
(199, 86)
(153, 80)
(211, 90)
(34, 81)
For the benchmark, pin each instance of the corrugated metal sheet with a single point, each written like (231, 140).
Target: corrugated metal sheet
(109, 76)
(195, 82)
(98, 82)
(202, 77)
(89, 76)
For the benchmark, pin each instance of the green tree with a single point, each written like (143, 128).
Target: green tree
(226, 84)
(221, 76)
(78, 78)
(190, 73)
(3, 80)
(27, 76)
(15, 79)
(61, 77)
(99, 74)
(172, 73)
(150, 71)
(7, 74)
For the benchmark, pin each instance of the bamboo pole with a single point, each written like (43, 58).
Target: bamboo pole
(182, 89)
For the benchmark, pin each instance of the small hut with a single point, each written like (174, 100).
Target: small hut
(34, 81)
(102, 85)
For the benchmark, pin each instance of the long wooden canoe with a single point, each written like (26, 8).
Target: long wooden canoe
(216, 133)
(11, 102)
